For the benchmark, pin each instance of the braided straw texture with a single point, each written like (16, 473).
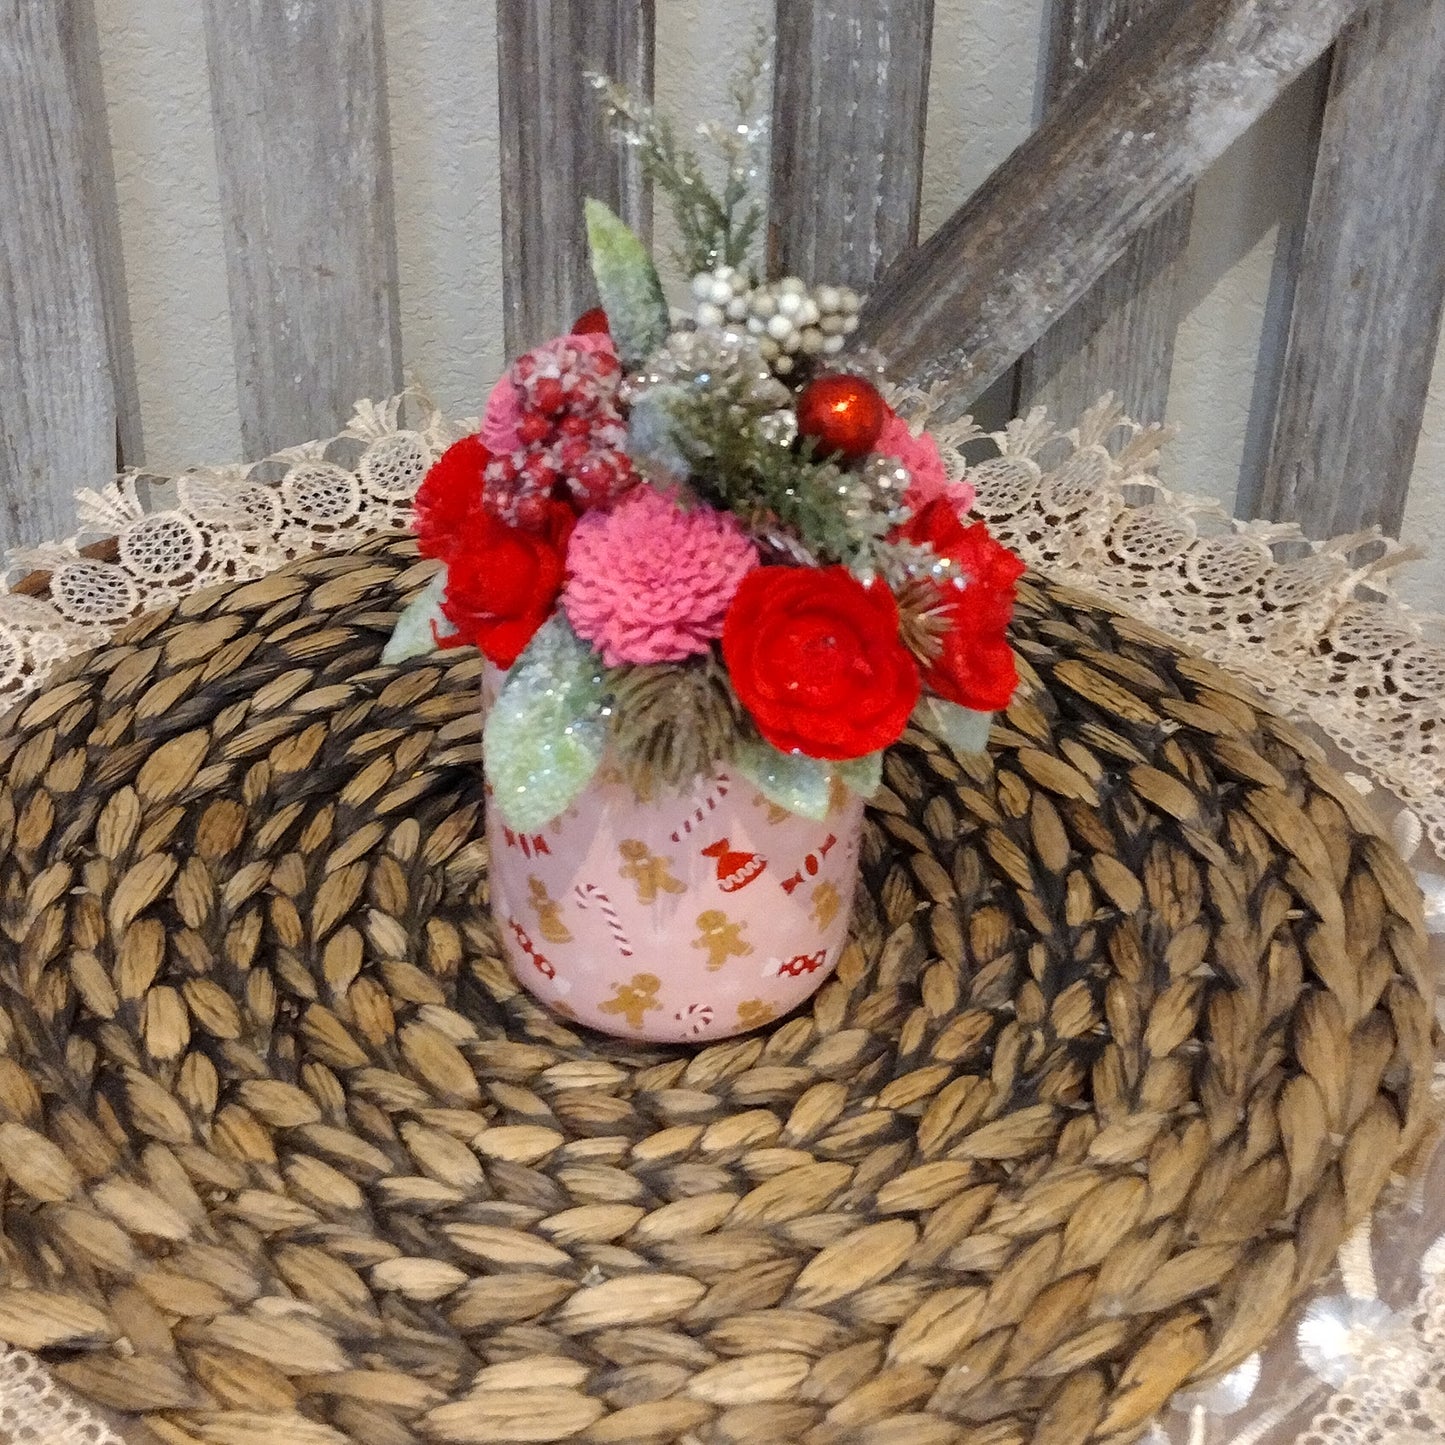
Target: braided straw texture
(1131, 1030)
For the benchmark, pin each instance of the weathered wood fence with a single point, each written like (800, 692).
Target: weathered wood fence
(1064, 266)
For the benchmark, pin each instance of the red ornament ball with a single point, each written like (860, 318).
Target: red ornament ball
(844, 414)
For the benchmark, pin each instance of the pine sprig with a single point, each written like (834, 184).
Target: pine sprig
(781, 492)
(741, 141)
(716, 226)
(673, 721)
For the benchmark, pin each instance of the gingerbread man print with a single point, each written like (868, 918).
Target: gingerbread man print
(776, 814)
(826, 903)
(754, 1013)
(549, 912)
(647, 872)
(634, 1000)
(721, 937)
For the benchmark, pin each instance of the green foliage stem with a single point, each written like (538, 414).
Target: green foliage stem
(628, 283)
(715, 226)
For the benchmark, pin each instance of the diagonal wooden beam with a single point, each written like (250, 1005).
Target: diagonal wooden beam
(849, 108)
(1166, 103)
(1371, 286)
(1120, 337)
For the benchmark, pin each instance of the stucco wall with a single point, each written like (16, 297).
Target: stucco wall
(442, 83)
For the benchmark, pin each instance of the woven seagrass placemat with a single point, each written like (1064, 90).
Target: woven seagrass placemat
(1133, 1026)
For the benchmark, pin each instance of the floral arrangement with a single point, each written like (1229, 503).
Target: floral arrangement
(708, 540)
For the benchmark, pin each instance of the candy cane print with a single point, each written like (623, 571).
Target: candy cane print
(708, 804)
(590, 893)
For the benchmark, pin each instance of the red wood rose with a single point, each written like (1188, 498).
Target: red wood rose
(815, 657)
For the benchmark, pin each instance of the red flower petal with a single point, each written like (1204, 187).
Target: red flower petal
(816, 659)
(449, 496)
(591, 322)
(502, 581)
(975, 672)
(976, 669)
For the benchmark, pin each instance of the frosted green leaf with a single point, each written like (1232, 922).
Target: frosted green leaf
(628, 285)
(545, 734)
(652, 432)
(963, 729)
(862, 775)
(792, 781)
(413, 635)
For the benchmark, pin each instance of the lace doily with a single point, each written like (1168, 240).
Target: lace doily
(34, 1410)
(1312, 624)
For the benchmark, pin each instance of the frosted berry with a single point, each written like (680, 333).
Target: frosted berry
(548, 396)
(569, 430)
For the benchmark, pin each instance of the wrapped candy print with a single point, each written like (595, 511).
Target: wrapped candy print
(691, 917)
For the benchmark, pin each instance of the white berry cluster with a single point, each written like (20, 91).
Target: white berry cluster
(787, 318)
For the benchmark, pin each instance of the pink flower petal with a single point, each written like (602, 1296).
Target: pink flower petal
(921, 456)
(650, 581)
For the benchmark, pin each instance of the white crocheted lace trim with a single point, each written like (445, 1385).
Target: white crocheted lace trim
(173, 535)
(1312, 624)
(35, 1411)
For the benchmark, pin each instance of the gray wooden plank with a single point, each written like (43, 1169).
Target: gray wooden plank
(82, 40)
(1371, 283)
(1136, 133)
(1120, 337)
(298, 94)
(849, 110)
(557, 150)
(56, 389)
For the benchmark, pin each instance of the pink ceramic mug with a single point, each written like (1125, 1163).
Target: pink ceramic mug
(691, 916)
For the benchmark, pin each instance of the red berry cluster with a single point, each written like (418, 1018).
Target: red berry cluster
(571, 433)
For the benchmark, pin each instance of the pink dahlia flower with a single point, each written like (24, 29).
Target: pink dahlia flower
(651, 580)
(504, 406)
(920, 455)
